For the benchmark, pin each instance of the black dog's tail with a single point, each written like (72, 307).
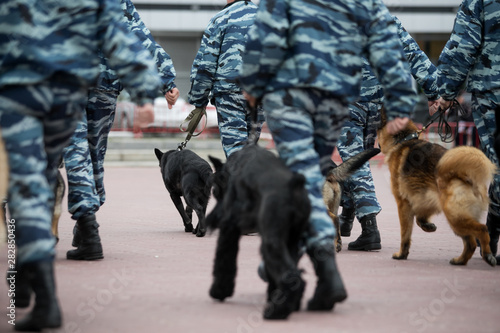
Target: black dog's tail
(346, 169)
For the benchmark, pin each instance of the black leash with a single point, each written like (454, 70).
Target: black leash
(445, 131)
(253, 137)
(193, 119)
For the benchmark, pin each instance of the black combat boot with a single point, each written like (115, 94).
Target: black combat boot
(89, 242)
(370, 237)
(46, 312)
(493, 224)
(346, 220)
(329, 287)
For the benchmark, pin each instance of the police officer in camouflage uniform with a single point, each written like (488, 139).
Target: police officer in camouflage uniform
(304, 60)
(84, 157)
(359, 133)
(46, 69)
(214, 72)
(471, 57)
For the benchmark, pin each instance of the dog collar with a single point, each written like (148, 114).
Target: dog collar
(412, 136)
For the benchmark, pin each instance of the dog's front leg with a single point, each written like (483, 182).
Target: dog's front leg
(176, 199)
(406, 217)
(225, 260)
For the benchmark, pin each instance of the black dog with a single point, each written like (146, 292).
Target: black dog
(256, 192)
(188, 175)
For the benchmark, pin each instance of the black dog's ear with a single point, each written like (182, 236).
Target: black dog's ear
(216, 162)
(158, 154)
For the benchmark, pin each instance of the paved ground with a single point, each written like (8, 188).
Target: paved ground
(155, 277)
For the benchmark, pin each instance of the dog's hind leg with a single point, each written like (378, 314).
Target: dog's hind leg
(176, 199)
(469, 248)
(470, 230)
(406, 217)
(226, 254)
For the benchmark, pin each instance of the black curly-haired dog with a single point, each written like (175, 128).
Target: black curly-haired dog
(256, 192)
(187, 175)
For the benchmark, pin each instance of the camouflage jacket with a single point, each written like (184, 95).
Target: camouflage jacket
(472, 52)
(108, 80)
(39, 39)
(320, 44)
(422, 70)
(218, 60)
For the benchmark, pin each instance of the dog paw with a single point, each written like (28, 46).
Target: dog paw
(221, 292)
(490, 259)
(338, 245)
(399, 256)
(427, 226)
(458, 261)
(188, 227)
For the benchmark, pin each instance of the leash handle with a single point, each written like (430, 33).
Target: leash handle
(193, 119)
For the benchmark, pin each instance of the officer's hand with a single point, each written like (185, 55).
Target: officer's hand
(171, 97)
(396, 125)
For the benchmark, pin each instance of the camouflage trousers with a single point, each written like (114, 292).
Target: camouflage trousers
(84, 156)
(358, 134)
(235, 121)
(483, 111)
(37, 122)
(305, 125)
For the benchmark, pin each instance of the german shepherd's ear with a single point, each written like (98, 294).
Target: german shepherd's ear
(158, 154)
(216, 162)
(383, 118)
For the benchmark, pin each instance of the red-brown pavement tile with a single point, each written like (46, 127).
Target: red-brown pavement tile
(155, 277)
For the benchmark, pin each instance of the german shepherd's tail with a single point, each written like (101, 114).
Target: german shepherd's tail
(347, 168)
(469, 165)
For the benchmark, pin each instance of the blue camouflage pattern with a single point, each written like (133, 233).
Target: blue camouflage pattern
(215, 70)
(360, 131)
(217, 63)
(471, 58)
(40, 32)
(108, 78)
(84, 157)
(35, 131)
(357, 135)
(235, 122)
(304, 59)
(319, 44)
(305, 124)
(47, 64)
(422, 69)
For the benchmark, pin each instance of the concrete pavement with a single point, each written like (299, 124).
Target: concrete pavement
(155, 277)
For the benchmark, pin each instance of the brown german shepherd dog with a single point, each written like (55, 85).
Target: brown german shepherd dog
(426, 179)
